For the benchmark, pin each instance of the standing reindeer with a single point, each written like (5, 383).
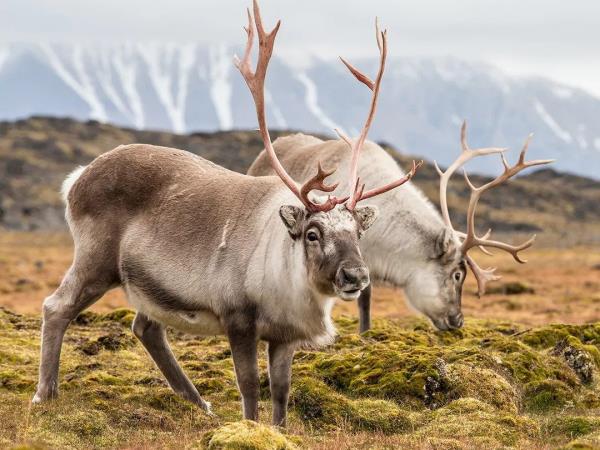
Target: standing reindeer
(200, 248)
(412, 247)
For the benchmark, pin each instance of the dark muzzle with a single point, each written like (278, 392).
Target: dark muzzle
(351, 280)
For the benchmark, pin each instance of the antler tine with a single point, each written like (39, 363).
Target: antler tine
(255, 81)
(244, 65)
(389, 186)
(317, 182)
(466, 155)
(471, 239)
(357, 144)
(483, 276)
(378, 35)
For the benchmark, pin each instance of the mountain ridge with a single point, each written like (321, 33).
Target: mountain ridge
(188, 87)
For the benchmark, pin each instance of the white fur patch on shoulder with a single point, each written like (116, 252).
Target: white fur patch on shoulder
(70, 181)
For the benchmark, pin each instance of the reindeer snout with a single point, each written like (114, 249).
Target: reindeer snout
(456, 321)
(351, 279)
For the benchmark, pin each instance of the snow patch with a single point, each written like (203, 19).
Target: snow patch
(126, 70)
(104, 70)
(78, 80)
(3, 56)
(311, 100)
(171, 88)
(581, 136)
(277, 113)
(551, 123)
(562, 92)
(220, 89)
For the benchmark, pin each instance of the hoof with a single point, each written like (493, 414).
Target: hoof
(41, 396)
(206, 406)
(37, 398)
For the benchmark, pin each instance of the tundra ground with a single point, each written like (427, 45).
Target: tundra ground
(508, 379)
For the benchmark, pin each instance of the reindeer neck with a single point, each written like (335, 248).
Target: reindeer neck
(403, 236)
(277, 278)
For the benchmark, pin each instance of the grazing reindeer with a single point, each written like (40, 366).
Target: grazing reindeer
(412, 247)
(200, 248)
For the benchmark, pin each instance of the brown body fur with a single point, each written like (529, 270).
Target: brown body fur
(202, 249)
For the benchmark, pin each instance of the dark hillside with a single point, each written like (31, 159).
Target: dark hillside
(36, 154)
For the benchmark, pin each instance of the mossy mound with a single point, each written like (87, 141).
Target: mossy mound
(491, 384)
(246, 435)
(322, 407)
(479, 422)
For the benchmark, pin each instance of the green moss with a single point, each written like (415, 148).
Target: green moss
(571, 426)
(547, 395)
(488, 385)
(317, 403)
(589, 442)
(104, 378)
(479, 422)
(467, 380)
(111, 342)
(122, 315)
(320, 405)
(81, 423)
(380, 415)
(548, 336)
(246, 435)
(14, 381)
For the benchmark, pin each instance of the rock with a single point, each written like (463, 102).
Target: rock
(577, 359)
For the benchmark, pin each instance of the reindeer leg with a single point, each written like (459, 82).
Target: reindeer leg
(153, 337)
(280, 374)
(243, 340)
(364, 309)
(78, 290)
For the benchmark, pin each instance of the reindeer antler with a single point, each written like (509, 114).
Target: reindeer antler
(358, 189)
(256, 81)
(470, 239)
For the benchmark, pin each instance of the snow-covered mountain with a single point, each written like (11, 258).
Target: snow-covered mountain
(187, 88)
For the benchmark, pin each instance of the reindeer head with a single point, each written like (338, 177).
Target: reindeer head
(439, 295)
(330, 240)
(329, 229)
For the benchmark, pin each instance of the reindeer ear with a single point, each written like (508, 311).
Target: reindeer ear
(365, 215)
(292, 218)
(445, 245)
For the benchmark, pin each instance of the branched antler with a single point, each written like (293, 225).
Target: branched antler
(356, 145)
(256, 81)
(470, 238)
(317, 183)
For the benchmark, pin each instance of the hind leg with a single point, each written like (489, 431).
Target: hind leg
(78, 290)
(153, 337)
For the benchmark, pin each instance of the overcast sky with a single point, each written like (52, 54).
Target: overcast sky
(555, 38)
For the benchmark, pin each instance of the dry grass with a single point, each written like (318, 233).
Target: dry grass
(566, 283)
(132, 408)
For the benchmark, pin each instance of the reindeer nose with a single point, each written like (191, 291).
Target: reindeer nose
(456, 321)
(353, 278)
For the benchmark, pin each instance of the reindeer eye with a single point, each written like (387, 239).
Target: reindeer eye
(457, 276)
(312, 236)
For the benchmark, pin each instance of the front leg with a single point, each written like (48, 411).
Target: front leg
(280, 374)
(243, 340)
(364, 309)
